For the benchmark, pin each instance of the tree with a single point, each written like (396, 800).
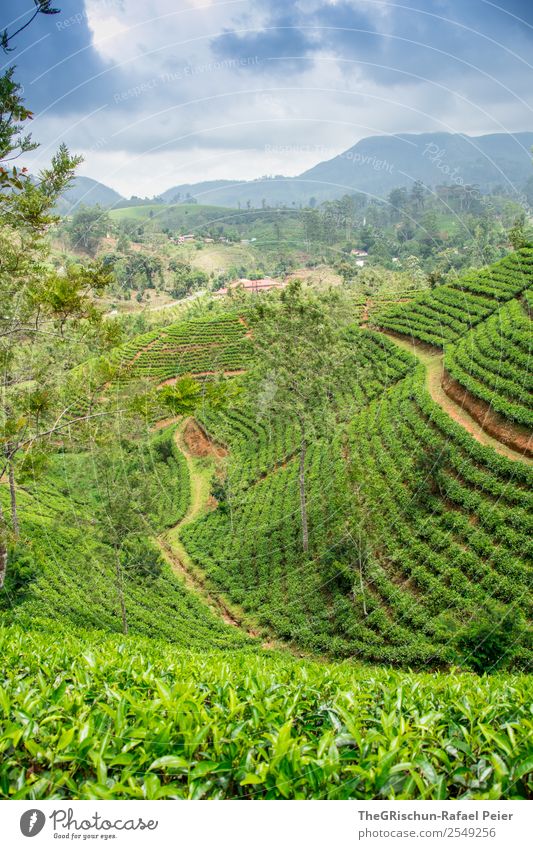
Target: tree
(398, 200)
(122, 520)
(298, 366)
(42, 7)
(312, 226)
(517, 233)
(88, 227)
(37, 302)
(186, 279)
(418, 195)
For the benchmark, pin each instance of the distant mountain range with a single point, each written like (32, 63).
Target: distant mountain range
(375, 165)
(87, 192)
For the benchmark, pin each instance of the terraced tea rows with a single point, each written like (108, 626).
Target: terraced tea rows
(493, 363)
(67, 577)
(259, 444)
(444, 527)
(250, 547)
(448, 312)
(450, 520)
(189, 347)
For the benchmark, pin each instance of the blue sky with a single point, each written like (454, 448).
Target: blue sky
(169, 92)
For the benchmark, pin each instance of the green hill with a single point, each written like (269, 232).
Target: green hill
(448, 312)
(377, 164)
(66, 577)
(493, 361)
(419, 558)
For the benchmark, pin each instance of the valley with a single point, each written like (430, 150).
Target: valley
(266, 457)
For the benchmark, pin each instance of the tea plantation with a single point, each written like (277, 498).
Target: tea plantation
(449, 312)
(389, 659)
(101, 717)
(67, 577)
(493, 361)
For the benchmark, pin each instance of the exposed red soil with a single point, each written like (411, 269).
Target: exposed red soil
(495, 425)
(365, 314)
(170, 381)
(211, 503)
(199, 444)
(141, 351)
(242, 321)
(197, 585)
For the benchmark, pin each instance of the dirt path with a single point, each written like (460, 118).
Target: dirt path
(201, 470)
(365, 314)
(170, 381)
(432, 360)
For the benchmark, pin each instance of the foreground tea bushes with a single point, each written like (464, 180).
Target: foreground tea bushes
(87, 717)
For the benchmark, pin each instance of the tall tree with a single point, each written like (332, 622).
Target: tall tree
(298, 367)
(37, 303)
(88, 227)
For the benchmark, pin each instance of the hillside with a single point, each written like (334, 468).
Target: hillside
(380, 163)
(87, 192)
(444, 315)
(67, 577)
(414, 483)
(374, 166)
(485, 330)
(418, 537)
(492, 362)
(266, 442)
(377, 164)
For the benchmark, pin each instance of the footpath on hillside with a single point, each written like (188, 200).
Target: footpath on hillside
(433, 361)
(201, 469)
(201, 456)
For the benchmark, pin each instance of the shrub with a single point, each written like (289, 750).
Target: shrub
(486, 645)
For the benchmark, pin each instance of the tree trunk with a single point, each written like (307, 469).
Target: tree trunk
(120, 591)
(13, 494)
(361, 582)
(303, 503)
(3, 548)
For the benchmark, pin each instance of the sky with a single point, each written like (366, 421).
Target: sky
(179, 91)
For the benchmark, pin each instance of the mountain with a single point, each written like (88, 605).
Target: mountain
(377, 164)
(380, 163)
(87, 192)
(183, 193)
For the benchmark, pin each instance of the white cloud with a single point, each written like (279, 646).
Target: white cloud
(171, 110)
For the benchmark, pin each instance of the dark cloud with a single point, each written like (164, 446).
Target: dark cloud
(175, 81)
(63, 40)
(432, 40)
(283, 40)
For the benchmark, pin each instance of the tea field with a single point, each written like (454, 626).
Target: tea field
(357, 673)
(67, 576)
(493, 362)
(448, 312)
(102, 717)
